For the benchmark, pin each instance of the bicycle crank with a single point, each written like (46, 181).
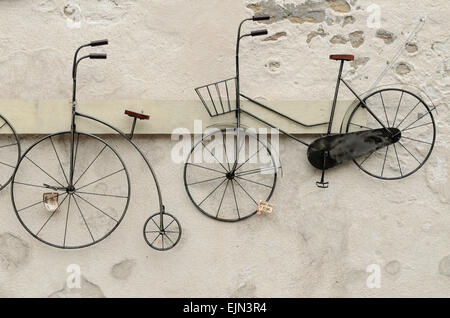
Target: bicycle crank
(330, 151)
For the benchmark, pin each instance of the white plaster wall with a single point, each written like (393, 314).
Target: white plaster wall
(318, 243)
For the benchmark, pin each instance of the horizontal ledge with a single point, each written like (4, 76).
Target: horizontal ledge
(166, 116)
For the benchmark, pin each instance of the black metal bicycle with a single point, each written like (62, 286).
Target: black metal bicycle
(77, 193)
(388, 134)
(9, 151)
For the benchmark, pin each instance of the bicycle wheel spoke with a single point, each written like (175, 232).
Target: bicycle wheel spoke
(92, 162)
(398, 107)
(249, 158)
(9, 145)
(409, 114)
(75, 156)
(246, 192)
(255, 182)
(198, 166)
(226, 156)
(370, 154)
(104, 195)
(409, 152)
(253, 171)
(103, 178)
(169, 225)
(223, 196)
(157, 225)
(204, 181)
(67, 222)
(417, 140)
(155, 239)
(8, 165)
(430, 123)
(215, 157)
(212, 192)
(50, 217)
(398, 161)
(30, 185)
(384, 162)
(169, 239)
(235, 200)
(422, 116)
(4, 124)
(44, 171)
(384, 107)
(59, 160)
(97, 208)
(33, 205)
(82, 216)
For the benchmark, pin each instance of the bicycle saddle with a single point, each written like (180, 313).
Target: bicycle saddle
(342, 57)
(137, 115)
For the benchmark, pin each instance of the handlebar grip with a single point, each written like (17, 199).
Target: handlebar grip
(98, 56)
(259, 32)
(99, 42)
(261, 18)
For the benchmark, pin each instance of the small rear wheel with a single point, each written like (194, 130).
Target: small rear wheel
(396, 108)
(162, 231)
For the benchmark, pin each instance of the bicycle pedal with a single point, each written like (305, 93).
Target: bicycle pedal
(322, 185)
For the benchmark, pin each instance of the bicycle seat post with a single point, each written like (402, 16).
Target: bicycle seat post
(133, 127)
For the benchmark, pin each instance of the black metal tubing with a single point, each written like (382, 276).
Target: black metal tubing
(281, 114)
(336, 93)
(270, 125)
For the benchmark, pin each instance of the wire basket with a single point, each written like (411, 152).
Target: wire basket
(219, 98)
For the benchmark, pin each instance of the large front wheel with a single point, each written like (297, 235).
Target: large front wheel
(228, 173)
(64, 211)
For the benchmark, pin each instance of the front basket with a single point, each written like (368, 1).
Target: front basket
(218, 98)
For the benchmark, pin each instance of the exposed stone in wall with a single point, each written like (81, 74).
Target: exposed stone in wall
(393, 267)
(348, 20)
(341, 6)
(403, 68)
(320, 32)
(14, 252)
(276, 36)
(273, 65)
(87, 290)
(411, 47)
(123, 269)
(444, 266)
(356, 38)
(359, 61)
(386, 36)
(338, 39)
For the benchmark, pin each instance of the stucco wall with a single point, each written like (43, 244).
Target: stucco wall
(318, 242)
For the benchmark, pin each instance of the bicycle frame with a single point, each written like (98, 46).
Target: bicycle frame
(239, 109)
(73, 130)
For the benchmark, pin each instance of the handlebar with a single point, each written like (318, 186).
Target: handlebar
(98, 56)
(261, 18)
(259, 32)
(99, 43)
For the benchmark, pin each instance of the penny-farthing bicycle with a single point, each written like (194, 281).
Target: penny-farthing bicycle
(72, 189)
(389, 134)
(9, 152)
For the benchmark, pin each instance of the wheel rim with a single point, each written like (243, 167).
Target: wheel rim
(215, 189)
(162, 231)
(9, 152)
(87, 213)
(396, 108)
